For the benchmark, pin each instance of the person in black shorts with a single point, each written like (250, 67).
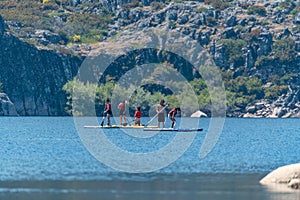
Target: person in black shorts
(108, 111)
(171, 115)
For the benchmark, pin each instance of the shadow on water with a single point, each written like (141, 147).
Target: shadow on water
(134, 187)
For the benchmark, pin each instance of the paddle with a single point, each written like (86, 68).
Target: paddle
(155, 115)
(102, 122)
(126, 123)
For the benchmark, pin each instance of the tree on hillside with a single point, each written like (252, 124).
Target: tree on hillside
(285, 49)
(233, 51)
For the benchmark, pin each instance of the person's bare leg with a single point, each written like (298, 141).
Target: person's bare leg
(108, 119)
(173, 123)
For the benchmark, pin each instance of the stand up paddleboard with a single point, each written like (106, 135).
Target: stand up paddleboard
(148, 128)
(174, 129)
(120, 126)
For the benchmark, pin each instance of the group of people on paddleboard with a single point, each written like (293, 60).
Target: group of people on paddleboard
(160, 114)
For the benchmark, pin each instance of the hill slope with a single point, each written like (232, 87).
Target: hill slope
(255, 44)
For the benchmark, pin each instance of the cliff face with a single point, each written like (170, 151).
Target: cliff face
(33, 78)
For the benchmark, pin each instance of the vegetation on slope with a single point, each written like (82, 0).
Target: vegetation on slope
(57, 16)
(269, 78)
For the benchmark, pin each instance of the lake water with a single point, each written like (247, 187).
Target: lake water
(44, 158)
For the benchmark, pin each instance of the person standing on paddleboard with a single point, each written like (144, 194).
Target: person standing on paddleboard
(121, 107)
(171, 115)
(108, 110)
(137, 116)
(161, 114)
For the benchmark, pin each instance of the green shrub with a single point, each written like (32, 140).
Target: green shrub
(288, 5)
(157, 5)
(38, 15)
(85, 97)
(257, 10)
(233, 51)
(201, 10)
(91, 27)
(286, 78)
(295, 11)
(218, 4)
(253, 86)
(211, 21)
(275, 91)
(264, 61)
(178, 1)
(285, 49)
(132, 4)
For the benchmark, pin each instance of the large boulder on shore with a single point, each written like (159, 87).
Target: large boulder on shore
(284, 177)
(198, 114)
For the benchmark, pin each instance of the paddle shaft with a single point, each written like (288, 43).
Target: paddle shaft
(156, 115)
(129, 122)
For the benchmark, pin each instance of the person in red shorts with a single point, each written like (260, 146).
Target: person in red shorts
(137, 116)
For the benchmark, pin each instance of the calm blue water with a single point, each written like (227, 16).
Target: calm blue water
(43, 157)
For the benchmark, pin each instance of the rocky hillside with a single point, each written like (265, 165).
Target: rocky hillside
(256, 44)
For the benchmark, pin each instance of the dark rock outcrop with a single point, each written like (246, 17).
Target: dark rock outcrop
(287, 105)
(297, 19)
(33, 78)
(265, 43)
(2, 26)
(231, 21)
(7, 108)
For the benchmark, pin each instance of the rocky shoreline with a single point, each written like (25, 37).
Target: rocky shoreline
(286, 106)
